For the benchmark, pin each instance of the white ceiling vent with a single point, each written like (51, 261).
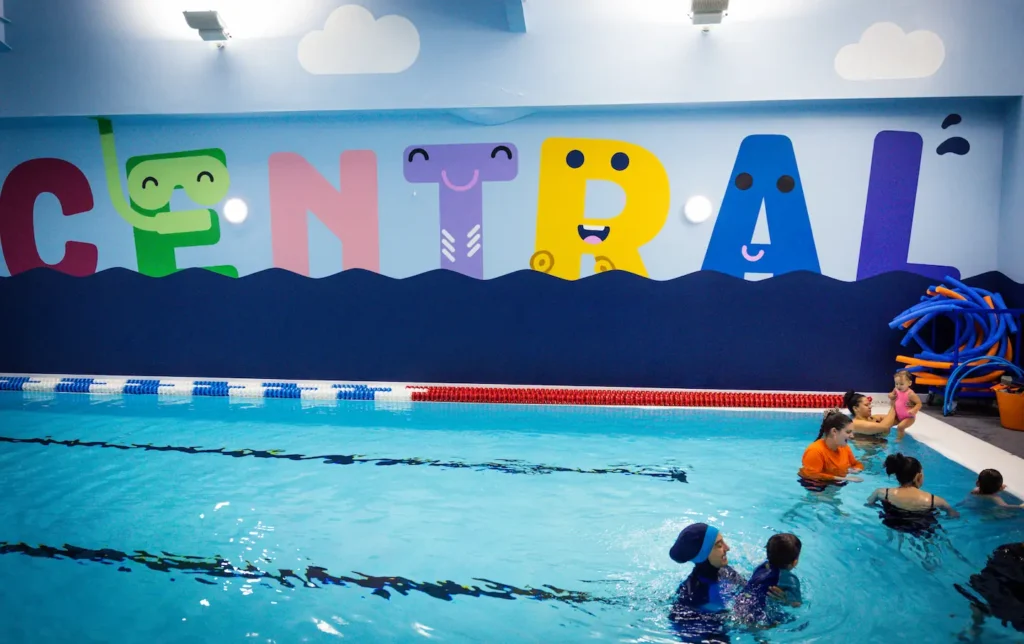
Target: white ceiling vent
(708, 12)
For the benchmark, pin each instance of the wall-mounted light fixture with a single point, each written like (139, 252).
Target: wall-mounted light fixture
(708, 12)
(697, 209)
(235, 210)
(209, 25)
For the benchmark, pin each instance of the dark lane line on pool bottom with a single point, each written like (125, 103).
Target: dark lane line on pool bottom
(506, 466)
(219, 567)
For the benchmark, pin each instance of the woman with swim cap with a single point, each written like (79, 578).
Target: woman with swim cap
(698, 612)
(829, 459)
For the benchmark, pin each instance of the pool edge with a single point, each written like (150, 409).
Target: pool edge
(969, 451)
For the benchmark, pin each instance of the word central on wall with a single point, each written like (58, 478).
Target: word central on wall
(763, 226)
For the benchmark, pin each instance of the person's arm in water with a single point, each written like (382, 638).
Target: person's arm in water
(729, 575)
(997, 500)
(855, 465)
(875, 496)
(941, 504)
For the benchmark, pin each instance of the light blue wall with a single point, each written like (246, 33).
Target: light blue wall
(957, 206)
(1011, 218)
(83, 57)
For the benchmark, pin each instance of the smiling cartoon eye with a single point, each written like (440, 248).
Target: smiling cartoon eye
(744, 181)
(426, 157)
(147, 180)
(199, 177)
(785, 183)
(501, 148)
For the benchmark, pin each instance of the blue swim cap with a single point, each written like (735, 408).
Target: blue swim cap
(694, 543)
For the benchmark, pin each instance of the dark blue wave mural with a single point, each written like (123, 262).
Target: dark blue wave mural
(798, 331)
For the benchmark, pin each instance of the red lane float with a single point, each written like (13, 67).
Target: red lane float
(632, 397)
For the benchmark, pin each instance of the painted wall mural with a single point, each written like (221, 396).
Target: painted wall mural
(18, 195)
(764, 192)
(296, 187)
(152, 180)
(765, 224)
(353, 42)
(460, 171)
(565, 235)
(885, 52)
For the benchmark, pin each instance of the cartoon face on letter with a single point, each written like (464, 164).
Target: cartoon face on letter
(765, 182)
(202, 174)
(461, 166)
(565, 233)
(567, 166)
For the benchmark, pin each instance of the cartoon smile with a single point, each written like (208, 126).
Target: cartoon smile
(593, 234)
(463, 187)
(751, 258)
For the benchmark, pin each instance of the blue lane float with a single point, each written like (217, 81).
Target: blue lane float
(181, 387)
(981, 350)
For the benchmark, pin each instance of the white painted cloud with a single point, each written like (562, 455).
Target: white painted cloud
(352, 42)
(886, 53)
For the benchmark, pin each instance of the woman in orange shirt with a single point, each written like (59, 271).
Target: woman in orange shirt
(829, 459)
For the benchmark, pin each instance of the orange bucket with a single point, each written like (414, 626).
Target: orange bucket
(1011, 410)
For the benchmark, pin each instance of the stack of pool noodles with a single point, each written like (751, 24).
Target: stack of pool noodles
(984, 337)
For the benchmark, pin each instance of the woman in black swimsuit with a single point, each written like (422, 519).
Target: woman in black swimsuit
(908, 508)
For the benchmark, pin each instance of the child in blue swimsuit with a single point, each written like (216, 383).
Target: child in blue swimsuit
(756, 604)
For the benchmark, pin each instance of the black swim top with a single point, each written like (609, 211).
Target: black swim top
(916, 522)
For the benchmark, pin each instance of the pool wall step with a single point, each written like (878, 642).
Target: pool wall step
(516, 395)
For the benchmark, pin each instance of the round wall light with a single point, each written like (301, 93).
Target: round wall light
(697, 209)
(235, 210)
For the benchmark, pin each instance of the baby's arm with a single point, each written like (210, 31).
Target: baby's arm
(916, 405)
(999, 501)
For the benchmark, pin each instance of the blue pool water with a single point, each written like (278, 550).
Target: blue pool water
(128, 519)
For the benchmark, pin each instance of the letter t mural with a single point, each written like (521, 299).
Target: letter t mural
(460, 170)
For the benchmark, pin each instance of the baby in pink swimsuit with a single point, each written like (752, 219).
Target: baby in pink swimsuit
(905, 402)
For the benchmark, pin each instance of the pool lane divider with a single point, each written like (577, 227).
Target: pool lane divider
(181, 387)
(203, 569)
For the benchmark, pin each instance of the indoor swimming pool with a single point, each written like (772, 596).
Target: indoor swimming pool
(141, 518)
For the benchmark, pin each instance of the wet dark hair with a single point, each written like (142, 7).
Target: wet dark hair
(904, 468)
(990, 481)
(833, 419)
(783, 550)
(851, 399)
